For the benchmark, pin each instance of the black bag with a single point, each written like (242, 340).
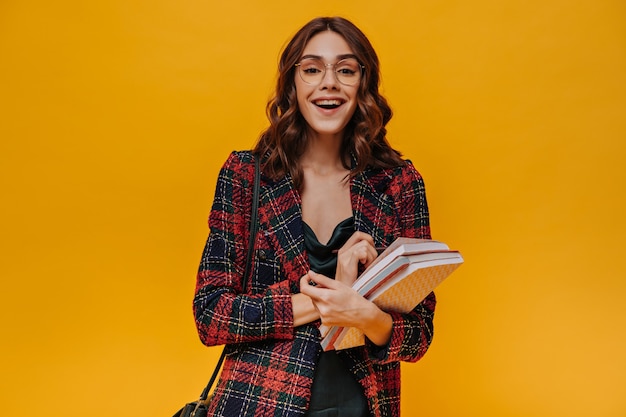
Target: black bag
(194, 409)
(199, 408)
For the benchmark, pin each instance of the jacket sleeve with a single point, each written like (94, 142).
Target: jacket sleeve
(223, 312)
(411, 333)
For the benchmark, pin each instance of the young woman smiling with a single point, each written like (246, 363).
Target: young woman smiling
(332, 190)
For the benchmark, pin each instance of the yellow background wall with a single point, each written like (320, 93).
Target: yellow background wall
(116, 116)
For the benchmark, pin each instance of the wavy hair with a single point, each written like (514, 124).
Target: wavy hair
(284, 141)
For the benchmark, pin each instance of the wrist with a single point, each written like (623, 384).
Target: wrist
(378, 326)
(303, 309)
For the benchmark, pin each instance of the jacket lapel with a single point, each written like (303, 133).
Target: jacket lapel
(280, 219)
(374, 210)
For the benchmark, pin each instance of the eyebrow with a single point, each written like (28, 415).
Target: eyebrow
(339, 57)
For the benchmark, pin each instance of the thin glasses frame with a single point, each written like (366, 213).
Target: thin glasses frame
(317, 77)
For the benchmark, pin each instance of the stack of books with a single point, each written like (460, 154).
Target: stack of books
(398, 280)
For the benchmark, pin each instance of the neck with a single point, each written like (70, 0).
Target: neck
(323, 153)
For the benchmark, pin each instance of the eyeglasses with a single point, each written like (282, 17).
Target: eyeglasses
(312, 70)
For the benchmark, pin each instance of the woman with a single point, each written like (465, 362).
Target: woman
(330, 181)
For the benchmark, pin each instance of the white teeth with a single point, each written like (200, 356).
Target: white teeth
(328, 102)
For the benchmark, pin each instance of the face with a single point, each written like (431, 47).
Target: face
(328, 105)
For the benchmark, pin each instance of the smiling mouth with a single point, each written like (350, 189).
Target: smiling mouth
(328, 104)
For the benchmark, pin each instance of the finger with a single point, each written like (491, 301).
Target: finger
(320, 281)
(364, 237)
(363, 252)
(370, 254)
(307, 281)
(311, 284)
(356, 238)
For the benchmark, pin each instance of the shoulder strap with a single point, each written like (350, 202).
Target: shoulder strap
(254, 225)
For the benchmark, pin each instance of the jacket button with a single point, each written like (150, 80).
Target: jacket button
(262, 255)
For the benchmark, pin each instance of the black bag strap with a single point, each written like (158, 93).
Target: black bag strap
(254, 225)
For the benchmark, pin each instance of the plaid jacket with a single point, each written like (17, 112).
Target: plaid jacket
(270, 364)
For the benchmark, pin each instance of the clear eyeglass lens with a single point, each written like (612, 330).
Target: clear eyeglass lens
(347, 71)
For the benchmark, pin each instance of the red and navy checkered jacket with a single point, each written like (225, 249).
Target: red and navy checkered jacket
(270, 364)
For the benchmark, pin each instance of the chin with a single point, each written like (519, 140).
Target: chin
(327, 132)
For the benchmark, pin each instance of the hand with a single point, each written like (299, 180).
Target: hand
(336, 303)
(359, 249)
(339, 305)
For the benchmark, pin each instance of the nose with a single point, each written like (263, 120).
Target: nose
(329, 80)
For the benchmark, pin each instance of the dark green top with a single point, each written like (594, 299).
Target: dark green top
(335, 390)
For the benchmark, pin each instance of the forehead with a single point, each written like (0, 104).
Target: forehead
(327, 45)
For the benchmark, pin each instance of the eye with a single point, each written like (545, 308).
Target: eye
(311, 70)
(347, 67)
(311, 66)
(346, 71)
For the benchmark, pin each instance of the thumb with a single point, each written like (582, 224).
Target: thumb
(313, 278)
(309, 280)
(320, 280)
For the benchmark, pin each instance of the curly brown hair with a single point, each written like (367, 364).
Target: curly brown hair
(284, 141)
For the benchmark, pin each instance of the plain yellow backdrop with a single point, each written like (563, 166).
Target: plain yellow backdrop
(115, 117)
